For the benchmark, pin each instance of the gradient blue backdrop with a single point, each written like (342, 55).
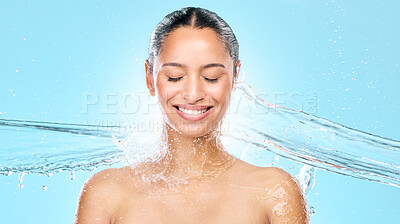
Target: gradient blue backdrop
(54, 53)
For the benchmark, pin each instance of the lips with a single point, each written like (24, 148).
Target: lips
(193, 112)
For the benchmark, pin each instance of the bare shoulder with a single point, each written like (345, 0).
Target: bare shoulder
(100, 196)
(264, 176)
(278, 192)
(274, 175)
(284, 198)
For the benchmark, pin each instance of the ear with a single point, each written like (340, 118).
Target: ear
(237, 70)
(149, 78)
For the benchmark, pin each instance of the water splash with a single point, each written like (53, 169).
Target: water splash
(253, 130)
(49, 147)
(315, 141)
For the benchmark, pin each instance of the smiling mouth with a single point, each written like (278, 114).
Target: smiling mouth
(192, 111)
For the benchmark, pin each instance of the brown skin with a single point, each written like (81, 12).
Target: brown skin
(219, 188)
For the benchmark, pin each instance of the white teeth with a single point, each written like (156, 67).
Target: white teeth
(195, 112)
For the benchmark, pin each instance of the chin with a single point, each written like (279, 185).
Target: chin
(194, 131)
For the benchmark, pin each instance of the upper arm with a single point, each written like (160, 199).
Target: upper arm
(287, 203)
(97, 200)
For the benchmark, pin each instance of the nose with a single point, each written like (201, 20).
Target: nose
(193, 89)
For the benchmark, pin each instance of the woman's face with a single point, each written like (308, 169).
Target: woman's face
(193, 79)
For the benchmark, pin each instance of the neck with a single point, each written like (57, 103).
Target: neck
(192, 158)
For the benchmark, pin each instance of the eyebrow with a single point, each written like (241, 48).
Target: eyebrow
(174, 64)
(214, 65)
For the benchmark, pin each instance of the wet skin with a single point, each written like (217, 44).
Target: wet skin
(193, 71)
(244, 194)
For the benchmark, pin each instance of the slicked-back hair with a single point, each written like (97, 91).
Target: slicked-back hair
(198, 18)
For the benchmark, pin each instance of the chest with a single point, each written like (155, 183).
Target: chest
(207, 205)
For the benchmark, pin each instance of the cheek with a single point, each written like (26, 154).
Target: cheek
(221, 93)
(165, 91)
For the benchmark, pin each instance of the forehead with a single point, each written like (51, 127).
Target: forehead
(186, 44)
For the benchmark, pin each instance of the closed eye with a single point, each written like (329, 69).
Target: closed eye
(170, 79)
(211, 80)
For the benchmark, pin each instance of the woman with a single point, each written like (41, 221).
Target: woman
(192, 68)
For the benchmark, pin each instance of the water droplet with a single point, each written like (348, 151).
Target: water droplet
(21, 177)
(276, 159)
(44, 187)
(72, 175)
(312, 210)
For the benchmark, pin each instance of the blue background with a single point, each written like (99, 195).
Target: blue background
(54, 53)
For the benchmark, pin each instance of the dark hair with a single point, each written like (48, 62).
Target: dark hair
(197, 18)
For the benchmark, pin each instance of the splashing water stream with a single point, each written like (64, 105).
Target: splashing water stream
(253, 130)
